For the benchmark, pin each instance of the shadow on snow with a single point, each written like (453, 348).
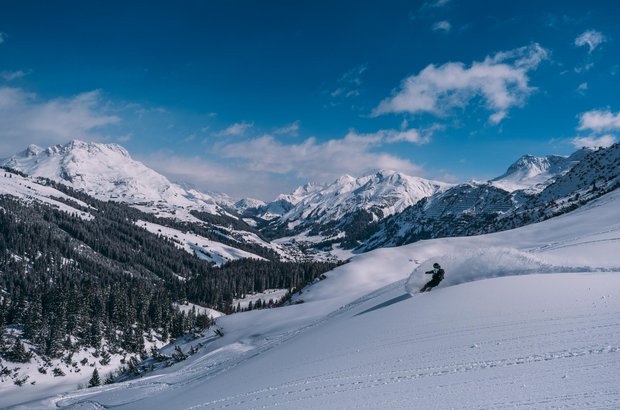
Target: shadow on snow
(386, 303)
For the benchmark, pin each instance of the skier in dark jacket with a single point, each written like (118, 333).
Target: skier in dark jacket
(437, 273)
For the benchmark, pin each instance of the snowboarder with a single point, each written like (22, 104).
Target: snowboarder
(437, 273)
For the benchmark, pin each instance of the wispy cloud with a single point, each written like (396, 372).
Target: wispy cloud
(582, 88)
(210, 175)
(392, 136)
(13, 75)
(27, 119)
(435, 4)
(500, 80)
(289, 129)
(235, 130)
(2, 37)
(349, 84)
(590, 38)
(443, 26)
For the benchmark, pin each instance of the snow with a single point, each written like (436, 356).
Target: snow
(385, 190)
(200, 310)
(29, 189)
(206, 249)
(75, 374)
(274, 294)
(525, 318)
(535, 173)
(107, 172)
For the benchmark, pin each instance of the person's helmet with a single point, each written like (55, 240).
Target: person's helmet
(436, 265)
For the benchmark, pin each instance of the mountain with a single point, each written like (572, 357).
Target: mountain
(107, 172)
(534, 173)
(477, 207)
(283, 203)
(339, 210)
(525, 318)
(248, 203)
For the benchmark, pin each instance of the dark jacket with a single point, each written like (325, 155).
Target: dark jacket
(437, 275)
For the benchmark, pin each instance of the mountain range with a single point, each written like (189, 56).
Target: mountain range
(350, 214)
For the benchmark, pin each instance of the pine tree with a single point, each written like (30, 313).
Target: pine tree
(18, 352)
(178, 354)
(105, 358)
(109, 379)
(94, 380)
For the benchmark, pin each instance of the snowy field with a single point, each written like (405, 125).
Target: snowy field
(528, 318)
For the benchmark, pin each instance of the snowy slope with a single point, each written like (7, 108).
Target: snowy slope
(29, 189)
(543, 333)
(205, 249)
(107, 172)
(534, 173)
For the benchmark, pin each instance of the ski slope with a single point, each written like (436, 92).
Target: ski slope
(528, 318)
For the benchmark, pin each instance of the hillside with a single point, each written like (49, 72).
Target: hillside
(480, 207)
(542, 332)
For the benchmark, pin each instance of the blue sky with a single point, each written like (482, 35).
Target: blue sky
(253, 98)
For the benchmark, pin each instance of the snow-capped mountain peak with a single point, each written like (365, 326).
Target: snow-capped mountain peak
(382, 192)
(535, 173)
(108, 172)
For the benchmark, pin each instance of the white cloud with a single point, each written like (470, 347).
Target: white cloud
(591, 38)
(444, 26)
(265, 167)
(236, 130)
(321, 161)
(501, 81)
(27, 119)
(599, 121)
(12, 75)
(603, 141)
(290, 129)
